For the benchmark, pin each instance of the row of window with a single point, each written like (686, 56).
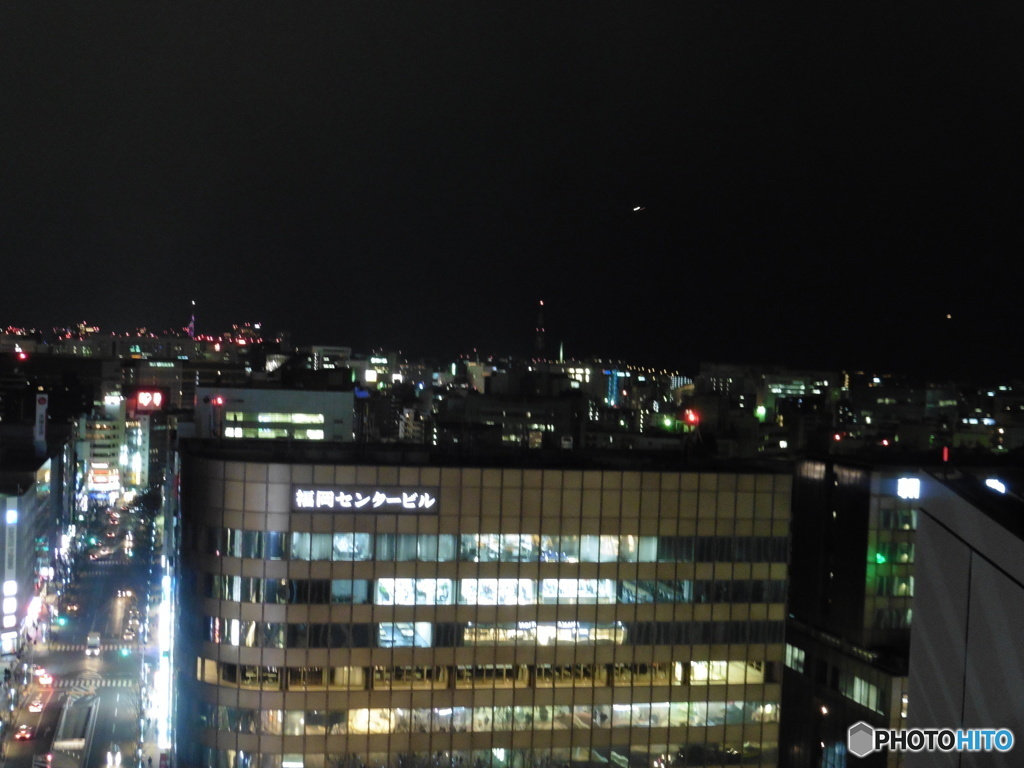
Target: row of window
(275, 418)
(894, 586)
(482, 675)
(495, 547)
(634, 755)
(855, 688)
(902, 519)
(423, 634)
(861, 691)
(893, 618)
(428, 591)
(273, 433)
(487, 719)
(894, 552)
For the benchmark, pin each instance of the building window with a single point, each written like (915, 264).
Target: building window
(414, 592)
(497, 592)
(404, 634)
(725, 672)
(306, 677)
(795, 658)
(260, 677)
(861, 691)
(491, 676)
(410, 677)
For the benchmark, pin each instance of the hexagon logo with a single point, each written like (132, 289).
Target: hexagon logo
(860, 739)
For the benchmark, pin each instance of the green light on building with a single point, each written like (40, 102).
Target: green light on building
(760, 412)
(879, 558)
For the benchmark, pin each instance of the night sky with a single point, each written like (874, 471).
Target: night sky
(821, 184)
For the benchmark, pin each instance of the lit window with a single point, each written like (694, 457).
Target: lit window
(497, 592)
(414, 592)
(404, 634)
(908, 488)
(795, 658)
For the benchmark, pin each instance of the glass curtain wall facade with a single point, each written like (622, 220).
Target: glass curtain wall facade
(363, 616)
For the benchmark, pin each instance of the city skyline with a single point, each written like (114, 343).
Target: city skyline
(550, 351)
(810, 187)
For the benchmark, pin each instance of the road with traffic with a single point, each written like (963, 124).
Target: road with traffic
(91, 707)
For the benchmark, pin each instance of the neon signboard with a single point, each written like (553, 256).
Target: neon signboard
(148, 399)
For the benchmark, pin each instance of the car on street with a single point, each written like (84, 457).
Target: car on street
(114, 755)
(24, 732)
(46, 678)
(36, 705)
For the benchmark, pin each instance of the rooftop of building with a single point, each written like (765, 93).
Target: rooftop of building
(19, 464)
(305, 452)
(892, 660)
(979, 487)
(877, 458)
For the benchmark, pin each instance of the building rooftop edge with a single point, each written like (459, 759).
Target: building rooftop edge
(291, 452)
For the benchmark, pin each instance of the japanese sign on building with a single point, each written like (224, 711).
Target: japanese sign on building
(319, 498)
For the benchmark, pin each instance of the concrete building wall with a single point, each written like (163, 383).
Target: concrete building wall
(966, 663)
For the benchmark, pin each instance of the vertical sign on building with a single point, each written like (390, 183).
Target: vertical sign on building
(10, 584)
(11, 539)
(144, 431)
(39, 432)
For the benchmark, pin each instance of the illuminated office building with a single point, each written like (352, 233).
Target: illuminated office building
(341, 609)
(240, 413)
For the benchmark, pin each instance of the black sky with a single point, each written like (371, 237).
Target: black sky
(821, 183)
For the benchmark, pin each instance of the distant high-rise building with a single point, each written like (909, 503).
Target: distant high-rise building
(539, 343)
(103, 442)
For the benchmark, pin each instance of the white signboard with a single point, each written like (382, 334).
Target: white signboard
(320, 498)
